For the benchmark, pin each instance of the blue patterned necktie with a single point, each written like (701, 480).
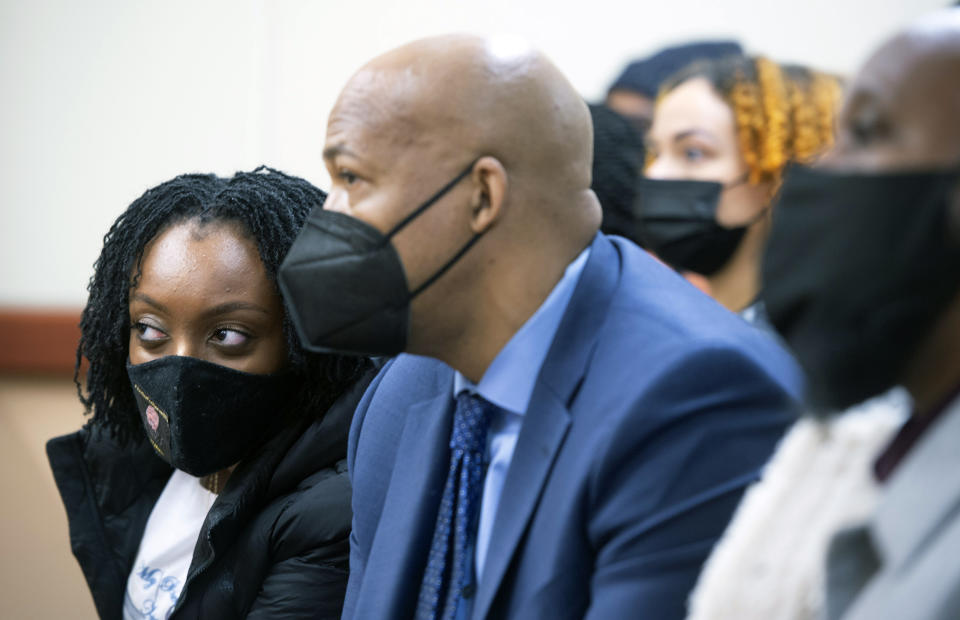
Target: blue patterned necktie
(448, 566)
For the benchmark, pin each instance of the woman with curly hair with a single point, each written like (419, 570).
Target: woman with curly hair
(210, 481)
(723, 132)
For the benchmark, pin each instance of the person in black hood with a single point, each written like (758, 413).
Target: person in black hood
(634, 92)
(210, 480)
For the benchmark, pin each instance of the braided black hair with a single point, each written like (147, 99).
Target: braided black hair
(270, 207)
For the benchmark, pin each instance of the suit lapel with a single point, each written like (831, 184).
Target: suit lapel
(402, 542)
(547, 419)
(540, 439)
(921, 493)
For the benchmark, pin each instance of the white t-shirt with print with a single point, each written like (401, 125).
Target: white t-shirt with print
(166, 548)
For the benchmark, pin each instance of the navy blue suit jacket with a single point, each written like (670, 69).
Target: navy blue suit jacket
(653, 411)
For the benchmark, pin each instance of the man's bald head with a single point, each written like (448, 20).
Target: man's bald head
(497, 128)
(494, 97)
(901, 109)
(900, 115)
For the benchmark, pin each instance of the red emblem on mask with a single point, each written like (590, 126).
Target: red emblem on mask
(153, 419)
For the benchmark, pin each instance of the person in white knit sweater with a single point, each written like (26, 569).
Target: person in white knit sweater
(770, 563)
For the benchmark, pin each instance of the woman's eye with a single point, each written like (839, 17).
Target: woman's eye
(230, 337)
(148, 333)
(867, 126)
(693, 154)
(863, 132)
(346, 176)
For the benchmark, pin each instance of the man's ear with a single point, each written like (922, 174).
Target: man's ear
(489, 194)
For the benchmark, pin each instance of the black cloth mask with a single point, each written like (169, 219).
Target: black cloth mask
(677, 220)
(202, 417)
(345, 286)
(858, 268)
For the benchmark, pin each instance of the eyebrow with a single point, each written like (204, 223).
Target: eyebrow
(337, 149)
(149, 300)
(232, 306)
(681, 135)
(224, 308)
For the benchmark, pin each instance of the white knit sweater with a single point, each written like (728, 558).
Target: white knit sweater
(770, 563)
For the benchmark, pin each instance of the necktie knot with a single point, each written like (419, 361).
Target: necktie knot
(470, 423)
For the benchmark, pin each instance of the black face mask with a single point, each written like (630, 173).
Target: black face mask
(202, 417)
(858, 268)
(345, 286)
(678, 222)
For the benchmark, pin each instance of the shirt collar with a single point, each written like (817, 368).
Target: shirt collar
(509, 380)
(909, 434)
(921, 494)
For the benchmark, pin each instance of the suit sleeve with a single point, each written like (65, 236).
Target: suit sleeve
(358, 548)
(670, 476)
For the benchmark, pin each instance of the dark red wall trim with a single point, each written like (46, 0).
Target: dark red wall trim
(38, 341)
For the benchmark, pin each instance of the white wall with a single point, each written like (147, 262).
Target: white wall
(104, 98)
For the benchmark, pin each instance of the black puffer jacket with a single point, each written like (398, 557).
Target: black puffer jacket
(275, 544)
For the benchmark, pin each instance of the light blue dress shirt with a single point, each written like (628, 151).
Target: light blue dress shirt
(508, 383)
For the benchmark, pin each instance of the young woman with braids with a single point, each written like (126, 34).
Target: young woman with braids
(722, 134)
(210, 481)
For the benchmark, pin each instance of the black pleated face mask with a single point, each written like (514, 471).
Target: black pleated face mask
(202, 417)
(858, 268)
(345, 286)
(678, 222)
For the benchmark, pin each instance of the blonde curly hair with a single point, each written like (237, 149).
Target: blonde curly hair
(783, 113)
